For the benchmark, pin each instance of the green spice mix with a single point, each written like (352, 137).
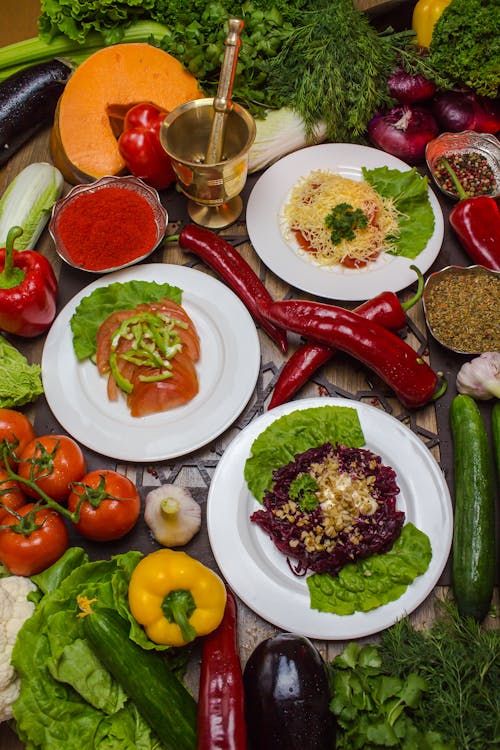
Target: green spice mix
(463, 311)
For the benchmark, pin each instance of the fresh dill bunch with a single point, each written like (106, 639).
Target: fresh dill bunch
(335, 66)
(460, 662)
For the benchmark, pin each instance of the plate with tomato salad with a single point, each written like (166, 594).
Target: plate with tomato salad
(227, 373)
(292, 264)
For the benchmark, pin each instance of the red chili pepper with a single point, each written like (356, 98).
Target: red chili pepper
(140, 146)
(221, 705)
(399, 366)
(385, 309)
(476, 222)
(28, 290)
(223, 258)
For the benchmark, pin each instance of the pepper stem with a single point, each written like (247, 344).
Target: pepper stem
(178, 606)
(420, 288)
(456, 182)
(11, 276)
(442, 388)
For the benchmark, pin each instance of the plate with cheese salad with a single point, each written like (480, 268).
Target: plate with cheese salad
(344, 221)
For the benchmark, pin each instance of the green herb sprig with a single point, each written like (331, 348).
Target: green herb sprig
(344, 221)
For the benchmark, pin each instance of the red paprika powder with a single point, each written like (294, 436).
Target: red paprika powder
(106, 228)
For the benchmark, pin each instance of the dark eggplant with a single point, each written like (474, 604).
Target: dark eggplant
(28, 102)
(287, 696)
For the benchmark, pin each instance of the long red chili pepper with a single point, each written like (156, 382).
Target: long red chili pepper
(221, 705)
(385, 309)
(476, 222)
(222, 257)
(399, 366)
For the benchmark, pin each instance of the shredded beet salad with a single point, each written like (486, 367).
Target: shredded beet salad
(330, 506)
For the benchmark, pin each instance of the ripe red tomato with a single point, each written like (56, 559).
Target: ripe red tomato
(25, 555)
(15, 430)
(11, 495)
(52, 462)
(110, 507)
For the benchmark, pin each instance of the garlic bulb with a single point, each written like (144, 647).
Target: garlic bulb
(480, 378)
(172, 514)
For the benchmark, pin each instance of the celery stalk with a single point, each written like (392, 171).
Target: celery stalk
(19, 55)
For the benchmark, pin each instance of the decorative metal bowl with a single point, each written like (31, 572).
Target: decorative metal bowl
(98, 187)
(449, 304)
(466, 142)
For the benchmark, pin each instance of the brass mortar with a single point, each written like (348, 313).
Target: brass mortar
(213, 189)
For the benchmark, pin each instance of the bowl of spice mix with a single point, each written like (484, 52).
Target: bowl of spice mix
(462, 308)
(108, 224)
(473, 157)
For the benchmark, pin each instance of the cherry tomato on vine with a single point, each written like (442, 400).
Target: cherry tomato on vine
(11, 495)
(53, 462)
(28, 554)
(15, 430)
(110, 506)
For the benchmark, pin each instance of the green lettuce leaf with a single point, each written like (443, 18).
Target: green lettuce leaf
(411, 198)
(68, 700)
(20, 382)
(97, 306)
(295, 433)
(376, 580)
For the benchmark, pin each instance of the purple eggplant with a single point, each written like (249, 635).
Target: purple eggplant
(28, 101)
(287, 696)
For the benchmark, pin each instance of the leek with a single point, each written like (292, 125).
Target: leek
(281, 132)
(27, 203)
(19, 55)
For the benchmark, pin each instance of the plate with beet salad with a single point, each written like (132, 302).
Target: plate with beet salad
(338, 514)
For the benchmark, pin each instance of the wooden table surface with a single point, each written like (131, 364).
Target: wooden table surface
(252, 629)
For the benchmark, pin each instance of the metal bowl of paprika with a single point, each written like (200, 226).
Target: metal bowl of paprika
(475, 159)
(108, 224)
(461, 308)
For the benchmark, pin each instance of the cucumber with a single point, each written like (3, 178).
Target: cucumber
(28, 102)
(495, 429)
(161, 699)
(473, 553)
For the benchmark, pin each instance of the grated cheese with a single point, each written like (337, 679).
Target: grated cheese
(314, 196)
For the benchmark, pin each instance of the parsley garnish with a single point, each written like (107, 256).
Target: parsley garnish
(303, 490)
(344, 220)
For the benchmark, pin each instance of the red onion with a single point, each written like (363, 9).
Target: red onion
(408, 89)
(403, 132)
(464, 110)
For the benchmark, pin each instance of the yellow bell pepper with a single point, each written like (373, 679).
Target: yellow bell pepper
(175, 597)
(425, 15)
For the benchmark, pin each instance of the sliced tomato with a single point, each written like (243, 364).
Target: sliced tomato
(11, 495)
(16, 431)
(52, 462)
(109, 505)
(28, 554)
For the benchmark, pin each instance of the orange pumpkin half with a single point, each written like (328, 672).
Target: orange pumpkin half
(84, 143)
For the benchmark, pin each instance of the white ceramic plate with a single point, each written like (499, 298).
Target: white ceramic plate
(259, 573)
(265, 205)
(227, 372)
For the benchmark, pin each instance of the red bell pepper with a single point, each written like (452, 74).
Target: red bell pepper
(140, 146)
(28, 290)
(476, 222)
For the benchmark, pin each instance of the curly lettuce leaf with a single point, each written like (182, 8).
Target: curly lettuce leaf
(20, 382)
(295, 433)
(409, 193)
(68, 700)
(97, 306)
(376, 580)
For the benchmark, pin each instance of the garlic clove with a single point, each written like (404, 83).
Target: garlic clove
(172, 515)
